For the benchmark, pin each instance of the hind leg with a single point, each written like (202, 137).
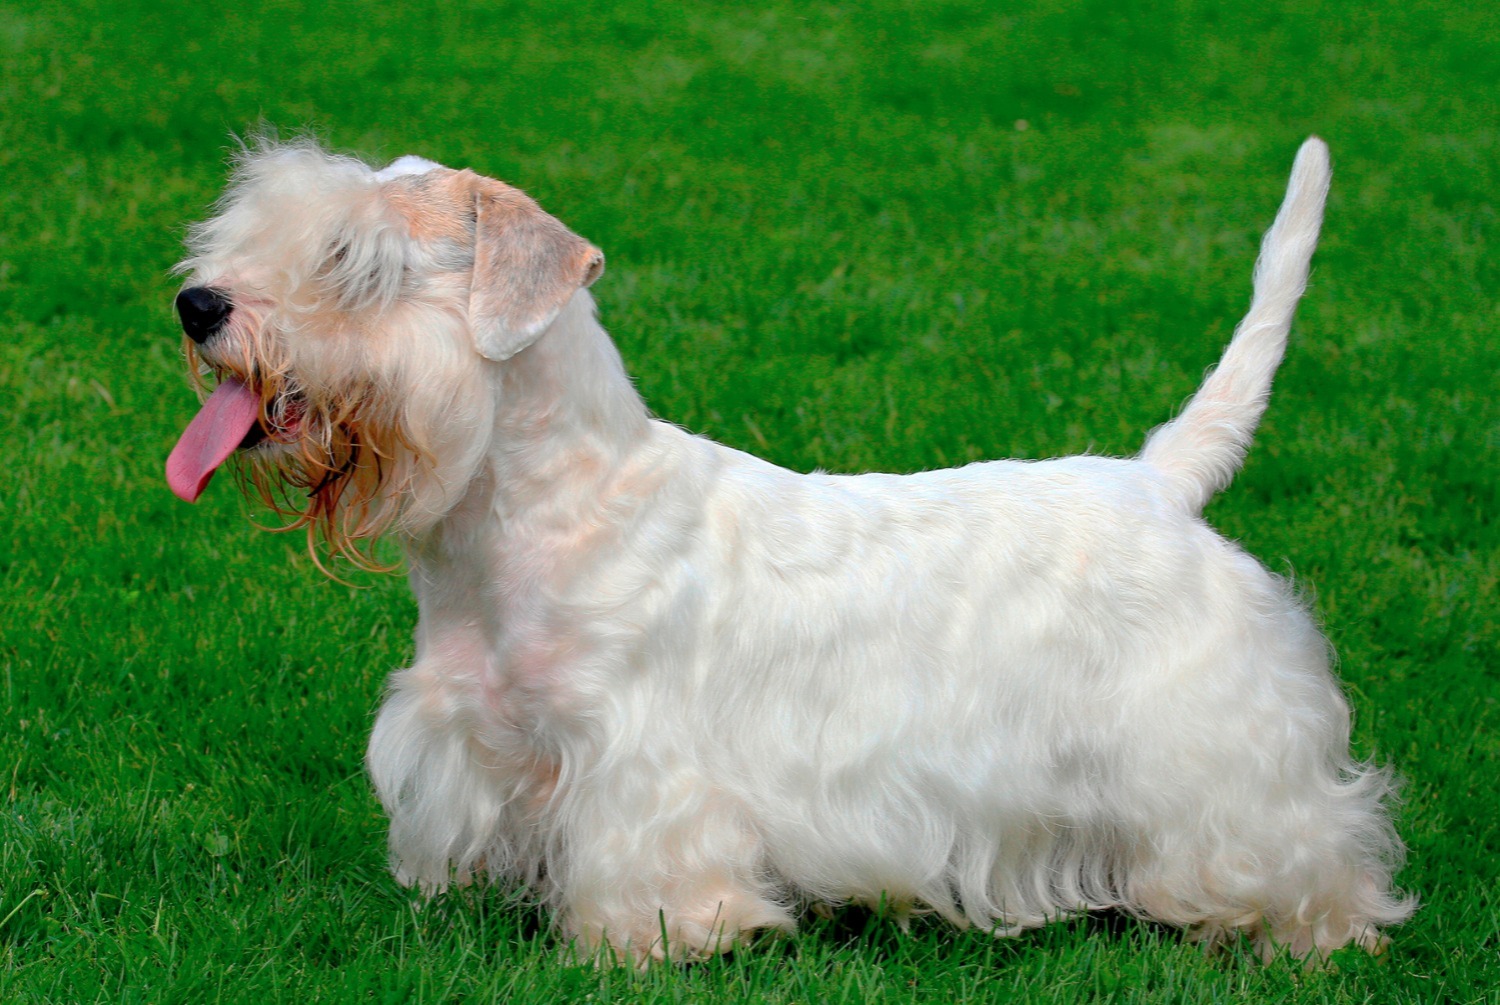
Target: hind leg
(1250, 814)
(1333, 886)
(1302, 864)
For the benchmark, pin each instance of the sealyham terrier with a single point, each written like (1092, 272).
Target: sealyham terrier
(680, 693)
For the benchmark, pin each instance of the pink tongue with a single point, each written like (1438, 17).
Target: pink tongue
(211, 437)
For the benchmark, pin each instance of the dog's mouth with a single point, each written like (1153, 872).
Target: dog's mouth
(230, 420)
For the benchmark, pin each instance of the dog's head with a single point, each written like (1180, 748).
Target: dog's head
(353, 320)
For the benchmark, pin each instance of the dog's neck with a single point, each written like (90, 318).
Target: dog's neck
(566, 420)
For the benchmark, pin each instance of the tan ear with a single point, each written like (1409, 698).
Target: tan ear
(527, 266)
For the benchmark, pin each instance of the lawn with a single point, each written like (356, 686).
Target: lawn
(855, 237)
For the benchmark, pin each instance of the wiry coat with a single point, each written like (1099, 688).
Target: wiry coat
(678, 690)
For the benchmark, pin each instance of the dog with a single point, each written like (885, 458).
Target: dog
(679, 693)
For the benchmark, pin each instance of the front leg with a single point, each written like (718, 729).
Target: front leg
(661, 865)
(459, 809)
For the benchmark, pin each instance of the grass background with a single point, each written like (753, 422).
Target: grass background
(856, 236)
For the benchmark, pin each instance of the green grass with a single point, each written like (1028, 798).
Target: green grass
(850, 237)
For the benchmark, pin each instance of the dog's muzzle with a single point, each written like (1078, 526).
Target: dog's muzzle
(203, 311)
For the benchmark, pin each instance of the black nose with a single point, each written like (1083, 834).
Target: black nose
(202, 310)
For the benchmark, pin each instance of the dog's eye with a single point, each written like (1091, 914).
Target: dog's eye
(331, 268)
(334, 261)
(364, 274)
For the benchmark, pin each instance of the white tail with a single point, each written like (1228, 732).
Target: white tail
(1202, 448)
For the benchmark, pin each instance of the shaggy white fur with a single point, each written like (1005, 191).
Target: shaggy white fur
(678, 691)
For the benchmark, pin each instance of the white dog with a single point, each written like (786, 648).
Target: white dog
(679, 692)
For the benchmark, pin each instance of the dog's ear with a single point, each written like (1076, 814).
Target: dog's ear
(527, 266)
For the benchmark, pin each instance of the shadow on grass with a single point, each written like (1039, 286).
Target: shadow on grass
(875, 933)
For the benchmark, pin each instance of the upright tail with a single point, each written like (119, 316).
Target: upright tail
(1200, 450)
